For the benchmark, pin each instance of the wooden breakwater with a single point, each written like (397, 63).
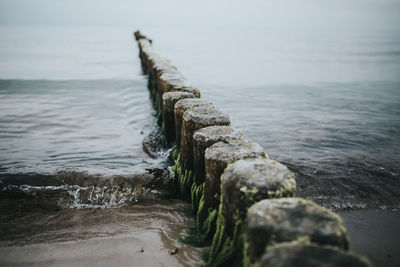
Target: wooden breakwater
(244, 202)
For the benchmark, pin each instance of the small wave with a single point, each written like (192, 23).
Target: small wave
(73, 189)
(74, 196)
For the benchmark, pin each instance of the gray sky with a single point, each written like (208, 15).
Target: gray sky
(380, 14)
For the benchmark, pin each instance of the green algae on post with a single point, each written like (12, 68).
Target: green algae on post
(243, 183)
(196, 192)
(194, 119)
(217, 158)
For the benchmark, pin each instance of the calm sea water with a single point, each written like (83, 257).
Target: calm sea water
(325, 104)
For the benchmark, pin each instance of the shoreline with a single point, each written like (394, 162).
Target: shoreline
(143, 234)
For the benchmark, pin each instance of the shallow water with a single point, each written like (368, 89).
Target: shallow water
(141, 234)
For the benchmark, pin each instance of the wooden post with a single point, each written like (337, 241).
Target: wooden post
(193, 120)
(169, 100)
(180, 107)
(206, 137)
(217, 158)
(273, 221)
(243, 183)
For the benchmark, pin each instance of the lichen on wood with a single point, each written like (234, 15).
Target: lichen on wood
(273, 221)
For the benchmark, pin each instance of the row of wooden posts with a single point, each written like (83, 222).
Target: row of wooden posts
(244, 202)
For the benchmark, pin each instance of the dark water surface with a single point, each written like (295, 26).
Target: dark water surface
(80, 159)
(89, 125)
(341, 139)
(75, 121)
(325, 104)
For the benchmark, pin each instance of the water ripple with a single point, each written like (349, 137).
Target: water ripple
(90, 125)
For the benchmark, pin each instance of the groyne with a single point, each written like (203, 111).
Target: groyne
(245, 203)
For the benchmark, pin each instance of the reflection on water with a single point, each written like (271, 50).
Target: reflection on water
(95, 126)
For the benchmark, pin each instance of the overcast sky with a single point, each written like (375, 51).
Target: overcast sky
(380, 14)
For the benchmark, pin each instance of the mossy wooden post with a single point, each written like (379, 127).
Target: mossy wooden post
(194, 119)
(145, 49)
(273, 221)
(217, 157)
(180, 107)
(202, 139)
(169, 82)
(154, 65)
(244, 183)
(164, 81)
(159, 66)
(206, 137)
(169, 100)
(303, 254)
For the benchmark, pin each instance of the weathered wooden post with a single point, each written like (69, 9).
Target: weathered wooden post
(169, 100)
(273, 221)
(144, 52)
(206, 137)
(194, 119)
(202, 139)
(159, 65)
(217, 158)
(277, 232)
(244, 183)
(169, 82)
(180, 107)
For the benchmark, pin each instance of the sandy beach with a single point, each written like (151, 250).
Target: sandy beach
(145, 234)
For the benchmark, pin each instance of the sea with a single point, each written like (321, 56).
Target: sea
(75, 115)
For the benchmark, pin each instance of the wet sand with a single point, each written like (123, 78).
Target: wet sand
(375, 234)
(138, 235)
